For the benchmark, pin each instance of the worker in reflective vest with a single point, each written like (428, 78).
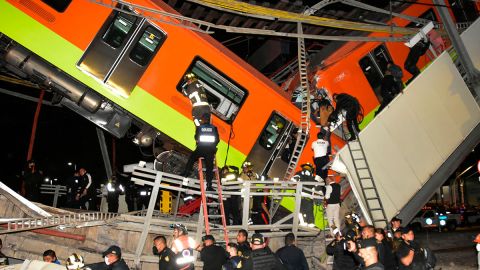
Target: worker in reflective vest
(183, 247)
(198, 97)
(207, 138)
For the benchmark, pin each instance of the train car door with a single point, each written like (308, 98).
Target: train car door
(374, 65)
(120, 53)
(266, 155)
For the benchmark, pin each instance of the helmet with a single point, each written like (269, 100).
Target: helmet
(247, 164)
(179, 227)
(75, 262)
(307, 167)
(190, 77)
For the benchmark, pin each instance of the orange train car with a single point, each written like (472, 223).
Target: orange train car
(357, 68)
(118, 70)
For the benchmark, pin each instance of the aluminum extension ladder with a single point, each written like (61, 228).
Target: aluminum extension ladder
(208, 218)
(367, 184)
(304, 130)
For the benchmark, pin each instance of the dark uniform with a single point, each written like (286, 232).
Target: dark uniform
(200, 106)
(206, 136)
(114, 189)
(418, 257)
(413, 56)
(375, 266)
(32, 181)
(213, 257)
(263, 259)
(388, 90)
(244, 250)
(342, 258)
(73, 189)
(352, 107)
(292, 258)
(166, 261)
(306, 206)
(235, 262)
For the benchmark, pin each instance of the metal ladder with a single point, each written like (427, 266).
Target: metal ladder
(304, 130)
(206, 216)
(367, 184)
(27, 224)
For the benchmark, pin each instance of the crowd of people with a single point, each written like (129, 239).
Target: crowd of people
(362, 246)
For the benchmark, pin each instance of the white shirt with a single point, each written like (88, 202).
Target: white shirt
(478, 247)
(320, 148)
(328, 191)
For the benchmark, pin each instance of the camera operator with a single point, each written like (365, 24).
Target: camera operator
(338, 248)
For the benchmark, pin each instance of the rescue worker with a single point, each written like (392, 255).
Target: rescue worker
(114, 190)
(414, 55)
(320, 156)
(113, 258)
(243, 247)
(262, 258)
(367, 250)
(200, 107)
(388, 90)
(166, 256)
(395, 225)
(291, 256)
(206, 136)
(212, 255)
(388, 260)
(234, 261)
(409, 253)
(347, 107)
(183, 247)
(75, 262)
(247, 172)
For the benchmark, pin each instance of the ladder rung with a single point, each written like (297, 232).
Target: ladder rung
(361, 178)
(359, 158)
(213, 204)
(372, 198)
(376, 209)
(368, 188)
(379, 220)
(362, 168)
(214, 216)
(355, 150)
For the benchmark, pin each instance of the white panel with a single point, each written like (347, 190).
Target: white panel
(470, 39)
(429, 110)
(391, 171)
(411, 138)
(416, 147)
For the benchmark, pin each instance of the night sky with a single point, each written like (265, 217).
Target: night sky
(62, 136)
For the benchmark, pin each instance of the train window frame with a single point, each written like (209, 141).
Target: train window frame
(136, 46)
(59, 5)
(269, 129)
(378, 67)
(110, 30)
(233, 99)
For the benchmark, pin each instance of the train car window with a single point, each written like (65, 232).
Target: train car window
(271, 133)
(463, 10)
(146, 46)
(225, 96)
(373, 66)
(428, 15)
(119, 29)
(58, 5)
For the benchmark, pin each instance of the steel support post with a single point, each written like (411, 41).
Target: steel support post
(103, 148)
(473, 74)
(246, 205)
(296, 211)
(148, 220)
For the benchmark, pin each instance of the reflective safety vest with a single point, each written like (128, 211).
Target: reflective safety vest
(183, 246)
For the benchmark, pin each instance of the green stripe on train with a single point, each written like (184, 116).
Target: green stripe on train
(64, 55)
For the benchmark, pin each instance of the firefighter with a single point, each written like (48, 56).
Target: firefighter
(183, 247)
(306, 205)
(200, 106)
(206, 136)
(231, 204)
